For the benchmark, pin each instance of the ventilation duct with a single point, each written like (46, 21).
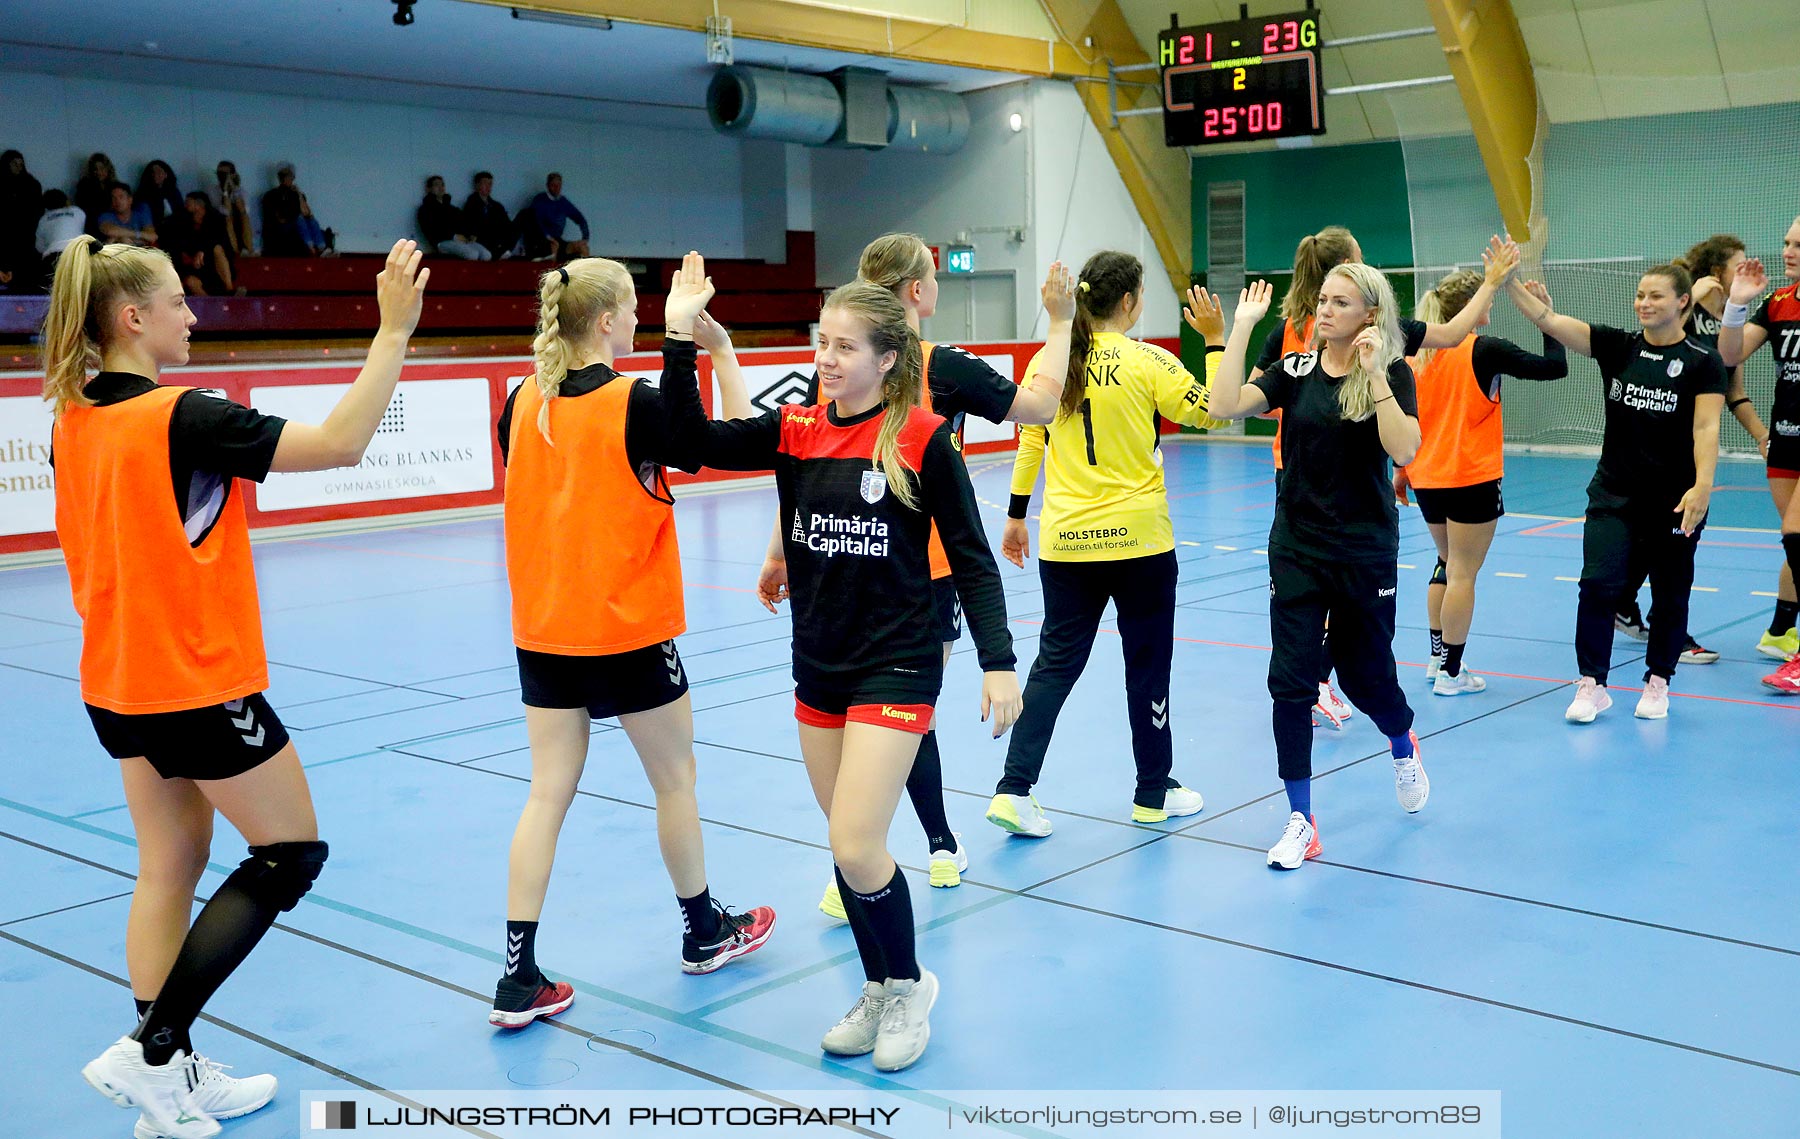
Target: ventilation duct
(921, 119)
(852, 107)
(783, 106)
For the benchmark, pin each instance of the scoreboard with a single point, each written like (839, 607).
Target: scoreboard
(1241, 81)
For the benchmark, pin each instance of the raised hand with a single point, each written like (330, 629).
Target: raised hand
(1499, 260)
(689, 291)
(1749, 281)
(1204, 314)
(400, 288)
(1253, 303)
(1538, 293)
(1365, 344)
(709, 335)
(1059, 292)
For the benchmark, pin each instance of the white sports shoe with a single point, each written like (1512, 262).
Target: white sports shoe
(1591, 699)
(227, 1097)
(169, 1108)
(1299, 842)
(947, 869)
(1463, 682)
(1019, 814)
(1654, 703)
(1177, 801)
(855, 1034)
(1432, 667)
(905, 1022)
(1411, 785)
(1332, 706)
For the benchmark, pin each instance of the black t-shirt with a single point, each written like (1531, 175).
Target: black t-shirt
(961, 383)
(859, 570)
(1412, 337)
(1647, 457)
(211, 442)
(1336, 501)
(654, 432)
(1495, 356)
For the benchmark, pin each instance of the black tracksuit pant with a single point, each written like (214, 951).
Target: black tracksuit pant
(1075, 597)
(1360, 601)
(1619, 546)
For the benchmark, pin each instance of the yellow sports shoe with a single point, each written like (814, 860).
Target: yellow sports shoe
(947, 867)
(1020, 815)
(1176, 801)
(832, 904)
(1784, 647)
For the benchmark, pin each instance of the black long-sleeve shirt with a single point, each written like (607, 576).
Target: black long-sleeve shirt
(859, 576)
(1495, 356)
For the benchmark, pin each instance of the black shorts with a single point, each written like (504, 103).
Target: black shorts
(914, 685)
(1784, 456)
(214, 742)
(1468, 505)
(614, 685)
(949, 609)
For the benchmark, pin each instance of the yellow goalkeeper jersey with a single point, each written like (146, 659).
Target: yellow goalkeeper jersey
(1104, 498)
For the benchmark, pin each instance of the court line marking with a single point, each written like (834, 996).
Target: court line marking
(236, 1029)
(874, 1081)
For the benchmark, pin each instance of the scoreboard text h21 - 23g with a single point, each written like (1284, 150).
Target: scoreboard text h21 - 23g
(1241, 81)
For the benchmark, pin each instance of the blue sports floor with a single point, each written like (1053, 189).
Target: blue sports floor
(1598, 922)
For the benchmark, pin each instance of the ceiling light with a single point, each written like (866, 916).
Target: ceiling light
(1016, 121)
(567, 19)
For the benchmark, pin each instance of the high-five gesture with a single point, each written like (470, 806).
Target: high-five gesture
(1204, 315)
(1059, 292)
(1749, 281)
(689, 291)
(400, 288)
(1499, 260)
(1253, 303)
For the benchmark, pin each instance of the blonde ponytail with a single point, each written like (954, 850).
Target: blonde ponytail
(1441, 303)
(894, 260)
(1316, 255)
(91, 281)
(901, 387)
(1356, 394)
(570, 301)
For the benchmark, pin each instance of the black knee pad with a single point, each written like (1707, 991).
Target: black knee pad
(283, 872)
(1440, 574)
(1790, 543)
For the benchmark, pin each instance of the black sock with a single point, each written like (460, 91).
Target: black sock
(143, 1006)
(1453, 658)
(1791, 544)
(925, 787)
(521, 951)
(1437, 642)
(1787, 615)
(890, 917)
(233, 920)
(867, 947)
(699, 921)
(181, 1038)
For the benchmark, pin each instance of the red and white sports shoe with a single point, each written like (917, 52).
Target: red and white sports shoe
(738, 934)
(1299, 842)
(1786, 679)
(1332, 706)
(517, 1005)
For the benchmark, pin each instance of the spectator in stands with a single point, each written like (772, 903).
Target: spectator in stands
(156, 190)
(21, 204)
(228, 199)
(61, 224)
(553, 213)
(289, 229)
(195, 240)
(127, 222)
(93, 194)
(442, 225)
(488, 219)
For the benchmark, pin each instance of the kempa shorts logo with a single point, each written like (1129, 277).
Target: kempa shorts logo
(334, 1115)
(1388, 592)
(890, 712)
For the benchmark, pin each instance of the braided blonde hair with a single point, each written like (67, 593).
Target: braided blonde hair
(877, 308)
(570, 301)
(92, 281)
(1441, 303)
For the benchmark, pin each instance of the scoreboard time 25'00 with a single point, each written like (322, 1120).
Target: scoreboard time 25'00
(1241, 81)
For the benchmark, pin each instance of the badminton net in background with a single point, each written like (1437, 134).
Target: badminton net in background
(1610, 198)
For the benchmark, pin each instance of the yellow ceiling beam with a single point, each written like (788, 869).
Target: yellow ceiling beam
(1487, 55)
(847, 27)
